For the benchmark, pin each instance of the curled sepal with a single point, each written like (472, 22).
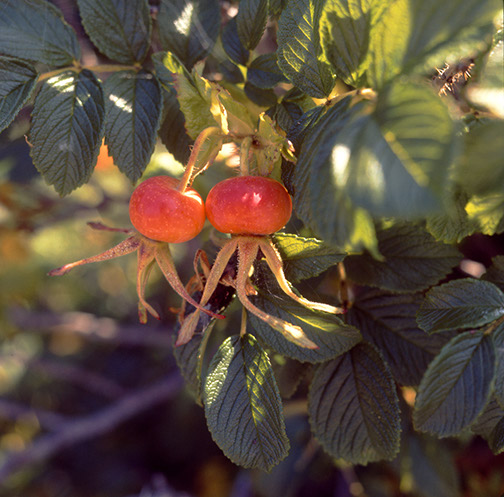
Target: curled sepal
(148, 252)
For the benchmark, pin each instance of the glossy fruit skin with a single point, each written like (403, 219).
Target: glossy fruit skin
(160, 212)
(248, 205)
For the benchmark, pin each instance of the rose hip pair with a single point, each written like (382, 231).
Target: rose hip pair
(249, 208)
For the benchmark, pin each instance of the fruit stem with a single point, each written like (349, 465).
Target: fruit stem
(244, 155)
(186, 179)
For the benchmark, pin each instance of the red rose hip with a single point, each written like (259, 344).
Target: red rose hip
(248, 205)
(160, 212)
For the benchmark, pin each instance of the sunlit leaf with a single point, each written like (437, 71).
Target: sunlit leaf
(299, 52)
(17, 81)
(35, 30)
(120, 30)
(465, 303)
(133, 103)
(66, 131)
(464, 369)
(243, 406)
(353, 407)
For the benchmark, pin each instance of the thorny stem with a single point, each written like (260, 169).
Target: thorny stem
(186, 179)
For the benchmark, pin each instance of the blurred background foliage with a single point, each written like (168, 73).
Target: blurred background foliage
(91, 401)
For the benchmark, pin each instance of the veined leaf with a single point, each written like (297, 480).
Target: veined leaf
(488, 212)
(496, 441)
(17, 80)
(353, 407)
(495, 273)
(344, 28)
(189, 28)
(264, 72)
(412, 260)
(463, 370)
(66, 132)
(481, 168)
(465, 303)
(300, 54)
(305, 257)
(413, 36)
(133, 104)
(251, 21)
(388, 321)
(232, 44)
(243, 406)
(35, 30)
(498, 339)
(120, 30)
(328, 331)
(488, 419)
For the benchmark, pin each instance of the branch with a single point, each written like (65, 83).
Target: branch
(94, 425)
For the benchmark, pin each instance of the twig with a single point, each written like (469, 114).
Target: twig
(91, 327)
(91, 426)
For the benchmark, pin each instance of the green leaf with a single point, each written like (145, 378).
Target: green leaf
(232, 44)
(328, 331)
(495, 273)
(133, 104)
(189, 28)
(488, 212)
(416, 36)
(17, 81)
(412, 260)
(481, 168)
(251, 21)
(289, 374)
(353, 407)
(243, 406)
(463, 370)
(344, 31)
(324, 208)
(66, 132)
(498, 339)
(35, 30)
(388, 321)
(305, 257)
(496, 441)
(263, 71)
(488, 419)
(300, 54)
(120, 30)
(464, 303)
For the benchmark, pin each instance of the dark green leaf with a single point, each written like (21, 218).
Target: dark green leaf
(328, 331)
(120, 30)
(305, 257)
(456, 386)
(495, 273)
(17, 80)
(465, 303)
(66, 132)
(288, 373)
(35, 30)
(306, 124)
(354, 409)
(261, 97)
(412, 260)
(243, 406)
(433, 468)
(481, 168)
(498, 339)
(251, 21)
(133, 104)
(416, 36)
(496, 441)
(299, 52)
(232, 44)
(264, 72)
(488, 419)
(388, 321)
(189, 28)
(344, 28)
